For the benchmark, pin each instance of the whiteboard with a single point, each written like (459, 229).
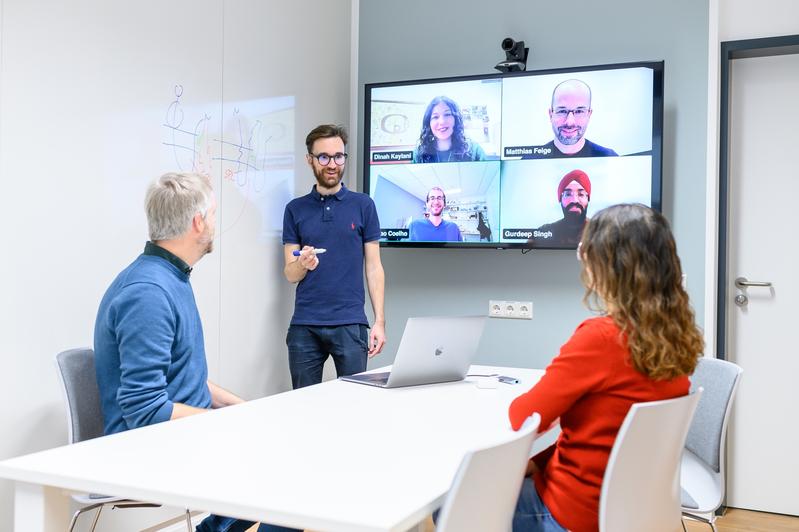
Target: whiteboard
(98, 98)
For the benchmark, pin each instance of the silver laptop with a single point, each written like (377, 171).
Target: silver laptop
(432, 350)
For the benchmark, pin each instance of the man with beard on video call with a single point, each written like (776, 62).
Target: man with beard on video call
(434, 227)
(569, 114)
(574, 193)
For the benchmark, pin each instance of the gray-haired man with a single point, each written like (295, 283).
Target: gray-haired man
(148, 338)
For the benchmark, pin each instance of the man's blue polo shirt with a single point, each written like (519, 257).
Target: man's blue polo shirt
(342, 223)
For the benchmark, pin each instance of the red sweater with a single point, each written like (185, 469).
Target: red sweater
(590, 385)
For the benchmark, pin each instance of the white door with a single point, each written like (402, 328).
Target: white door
(763, 459)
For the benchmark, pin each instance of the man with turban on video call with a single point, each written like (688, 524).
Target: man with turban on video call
(574, 193)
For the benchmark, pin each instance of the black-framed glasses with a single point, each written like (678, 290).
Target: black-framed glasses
(325, 158)
(562, 113)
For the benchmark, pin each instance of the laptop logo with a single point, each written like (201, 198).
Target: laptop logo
(439, 351)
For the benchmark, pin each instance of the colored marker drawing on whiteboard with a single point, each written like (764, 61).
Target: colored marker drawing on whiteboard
(246, 156)
(191, 149)
(253, 152)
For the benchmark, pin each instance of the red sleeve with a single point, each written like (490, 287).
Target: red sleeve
(581, 366)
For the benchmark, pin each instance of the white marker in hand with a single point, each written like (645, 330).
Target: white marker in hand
(316, 251)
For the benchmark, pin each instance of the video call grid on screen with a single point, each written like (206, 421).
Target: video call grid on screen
(501, 178)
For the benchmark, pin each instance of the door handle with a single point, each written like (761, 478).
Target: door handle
(743, 282)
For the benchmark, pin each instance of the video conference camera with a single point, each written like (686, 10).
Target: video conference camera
(515, 56)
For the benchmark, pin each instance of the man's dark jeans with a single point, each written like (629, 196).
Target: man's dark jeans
(310, 345)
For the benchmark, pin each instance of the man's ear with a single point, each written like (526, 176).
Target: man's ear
(198, 223)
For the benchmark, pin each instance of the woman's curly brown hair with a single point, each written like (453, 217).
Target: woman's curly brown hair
(630, 264)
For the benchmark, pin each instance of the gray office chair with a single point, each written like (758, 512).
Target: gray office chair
(486, 487)
(702, 479)
(641, 486)
(85, 422)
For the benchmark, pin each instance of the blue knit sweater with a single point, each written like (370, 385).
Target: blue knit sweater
(148, 341)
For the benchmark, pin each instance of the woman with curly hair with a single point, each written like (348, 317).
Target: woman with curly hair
(442, 138)
(642, 348)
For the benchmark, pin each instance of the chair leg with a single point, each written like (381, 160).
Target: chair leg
(188, 521)
(710, 522)
(682, 522)
(81, 511)
(96, 518)
(74, 520)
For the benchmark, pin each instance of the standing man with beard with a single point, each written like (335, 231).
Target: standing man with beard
(569, 114)
(574, 193)
(329, 318)
(148, 338)
(434, 228)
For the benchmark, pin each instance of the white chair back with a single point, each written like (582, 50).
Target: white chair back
(486, 487)
(641, 487)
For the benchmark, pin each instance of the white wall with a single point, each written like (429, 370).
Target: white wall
(88, 105)
(744, 19)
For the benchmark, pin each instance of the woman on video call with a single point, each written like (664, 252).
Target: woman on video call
(442, 138)
(642, 348)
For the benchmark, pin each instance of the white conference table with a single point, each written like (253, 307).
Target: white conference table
(337, 456)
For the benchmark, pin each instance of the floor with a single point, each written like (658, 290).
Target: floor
(734, 520)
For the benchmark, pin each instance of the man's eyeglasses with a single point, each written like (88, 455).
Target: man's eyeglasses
(325, 158)
(561, 113)
(570, 194)
(431, 198)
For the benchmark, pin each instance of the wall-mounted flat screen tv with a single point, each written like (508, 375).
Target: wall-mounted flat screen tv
(516, 160)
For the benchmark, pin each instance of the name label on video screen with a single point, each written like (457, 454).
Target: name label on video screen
(387, 157)
(524, 234)
(527, 151)
(394, 234)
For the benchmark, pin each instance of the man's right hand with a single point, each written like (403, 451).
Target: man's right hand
(308, 259)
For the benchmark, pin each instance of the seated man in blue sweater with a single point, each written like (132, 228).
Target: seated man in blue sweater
(148, 338)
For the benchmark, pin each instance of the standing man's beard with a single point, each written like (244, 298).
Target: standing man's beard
(572, 216)
(325, 181)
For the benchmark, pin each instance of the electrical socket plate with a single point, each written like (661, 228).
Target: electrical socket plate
(520, 310)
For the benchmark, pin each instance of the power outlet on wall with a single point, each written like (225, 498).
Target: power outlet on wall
(496, 309)
(524, 310)
(520, 310)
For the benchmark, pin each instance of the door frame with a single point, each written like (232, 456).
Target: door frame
(730, 51)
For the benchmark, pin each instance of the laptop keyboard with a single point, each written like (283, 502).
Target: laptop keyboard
(377, 378)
